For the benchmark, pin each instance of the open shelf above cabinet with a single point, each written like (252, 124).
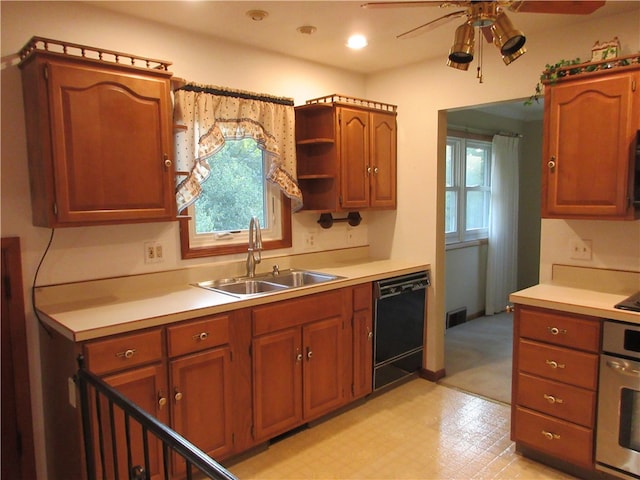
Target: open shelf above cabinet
(346, 154)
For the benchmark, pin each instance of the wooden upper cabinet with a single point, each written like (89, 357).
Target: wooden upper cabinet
(355, 162)
(346, 155)
(590, 130)
(383, 160)
(99, 141)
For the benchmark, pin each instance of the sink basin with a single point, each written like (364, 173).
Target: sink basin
(300, 278)
(242, 287)
(266, 283)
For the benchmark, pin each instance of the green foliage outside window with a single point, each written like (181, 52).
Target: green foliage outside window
(235, 190)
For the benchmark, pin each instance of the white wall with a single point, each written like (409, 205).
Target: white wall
(466, 279)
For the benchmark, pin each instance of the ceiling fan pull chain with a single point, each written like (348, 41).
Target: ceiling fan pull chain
(480, 50)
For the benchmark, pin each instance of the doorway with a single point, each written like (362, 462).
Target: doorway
(477, 345)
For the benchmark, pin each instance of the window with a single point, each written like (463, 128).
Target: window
(468, 189)
(235, 191)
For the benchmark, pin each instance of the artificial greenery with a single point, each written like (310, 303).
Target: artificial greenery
(551, 74)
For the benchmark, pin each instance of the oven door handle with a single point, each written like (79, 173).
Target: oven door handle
(623, 369)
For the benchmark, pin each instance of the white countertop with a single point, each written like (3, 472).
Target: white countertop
(87, 310)
(576, 300)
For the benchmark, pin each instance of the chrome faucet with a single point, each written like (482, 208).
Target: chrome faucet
(255, 245)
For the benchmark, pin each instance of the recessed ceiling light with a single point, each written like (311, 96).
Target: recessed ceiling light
(357, 42)
(307, 29)
(257, 15)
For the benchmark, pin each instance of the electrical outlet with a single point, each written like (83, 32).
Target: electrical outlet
(351, 239)
(581, 249)
(309, 239)
(153, 252)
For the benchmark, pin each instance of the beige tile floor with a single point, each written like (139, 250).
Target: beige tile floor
(419, 430)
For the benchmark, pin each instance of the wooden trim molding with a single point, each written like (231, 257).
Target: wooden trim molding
(188, 251)
(431, 375)
(18, 453)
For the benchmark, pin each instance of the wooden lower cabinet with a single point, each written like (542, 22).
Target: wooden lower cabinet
(277, 367)
(200, 396)
(322, 371)
(200, 386)
(190, 390)
(555, 379)
(298, 375)
(226, 382)
(146, 387)
(558, 438)
(362, 326)
(300, 349)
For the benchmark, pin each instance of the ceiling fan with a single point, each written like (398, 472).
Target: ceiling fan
(489, 17)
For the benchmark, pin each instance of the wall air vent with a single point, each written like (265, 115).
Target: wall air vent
(456, 317)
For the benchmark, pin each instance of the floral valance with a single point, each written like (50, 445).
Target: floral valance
(208, 115)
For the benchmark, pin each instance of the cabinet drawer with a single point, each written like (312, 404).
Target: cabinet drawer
(556, 363)
(567, 402)
(197, 335)
(567, 441)
(560, 328)
(123, 352)
(292, 313)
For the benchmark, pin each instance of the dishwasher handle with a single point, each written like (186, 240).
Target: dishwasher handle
(401, 285)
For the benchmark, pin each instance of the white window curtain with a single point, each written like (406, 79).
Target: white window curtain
(207, 115)
(502, 256)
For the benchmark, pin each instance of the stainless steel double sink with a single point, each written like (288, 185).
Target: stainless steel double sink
(264, 284)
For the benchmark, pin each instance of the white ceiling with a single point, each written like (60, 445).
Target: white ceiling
(335, 21)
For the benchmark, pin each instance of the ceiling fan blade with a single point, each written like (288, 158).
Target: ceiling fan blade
(417, 3)
(431, 25)
(557, 7)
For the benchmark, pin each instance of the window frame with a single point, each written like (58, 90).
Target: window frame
(278, 235)
(460, 141)
(191, 251)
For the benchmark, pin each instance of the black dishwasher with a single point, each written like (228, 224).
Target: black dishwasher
(399, 318)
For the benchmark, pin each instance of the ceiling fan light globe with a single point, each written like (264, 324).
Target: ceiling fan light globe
(457, 65)
(461, 57)
(462, 49)
(513, 44)
(506, 37)
(507, 59)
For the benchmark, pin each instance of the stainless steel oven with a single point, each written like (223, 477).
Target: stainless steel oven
(618, 437)
(399, 319)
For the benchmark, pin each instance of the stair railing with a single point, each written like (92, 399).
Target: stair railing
(93, 388)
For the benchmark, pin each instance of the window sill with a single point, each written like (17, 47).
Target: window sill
(467, 244)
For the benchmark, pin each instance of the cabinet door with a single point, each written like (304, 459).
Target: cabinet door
(146, 387)
(383, 160)
(111, 136)
(354, 157)
(323, 372)
(277, 373)
(200, 394)
(362, 353)
(589, 134)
